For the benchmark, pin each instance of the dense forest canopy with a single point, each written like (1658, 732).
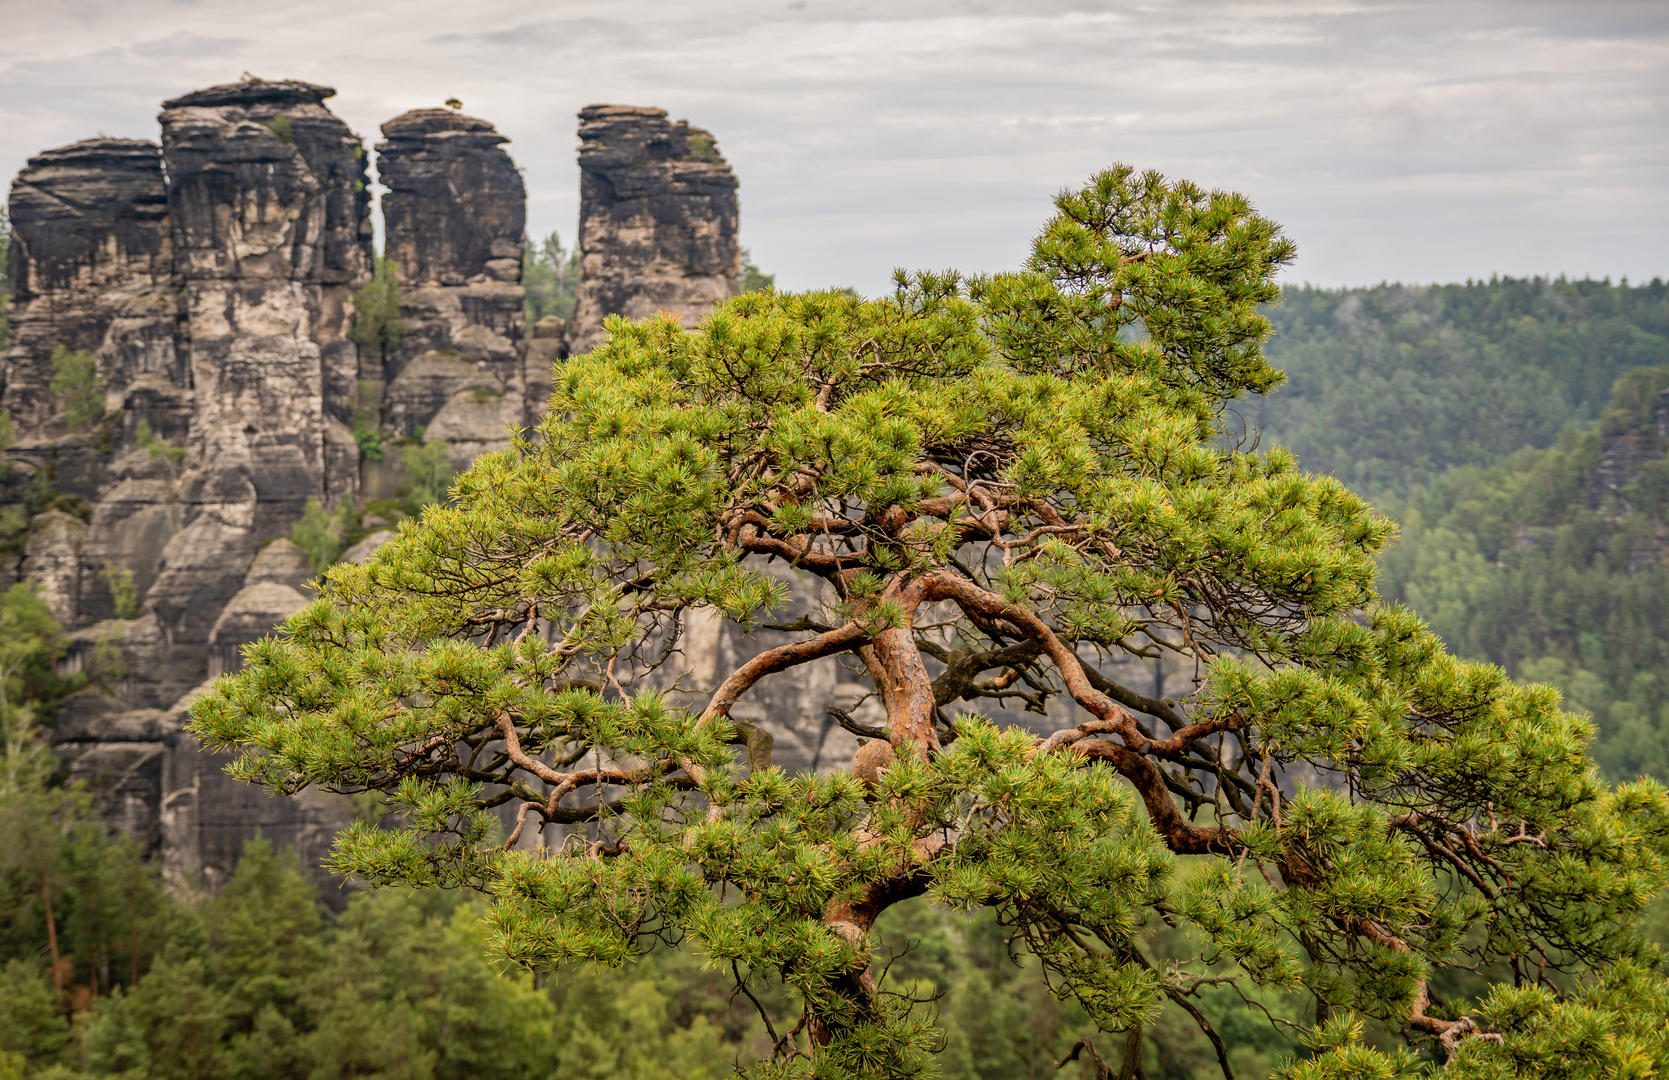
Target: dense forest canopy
(1387, 387)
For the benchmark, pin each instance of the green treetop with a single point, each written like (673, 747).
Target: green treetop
(999, 485)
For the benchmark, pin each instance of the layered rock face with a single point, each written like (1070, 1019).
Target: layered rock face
(658, 221)
(1628, 447)
(211, 278)
(455, 215)
(90, 269)
(92, 266)
(266, 196)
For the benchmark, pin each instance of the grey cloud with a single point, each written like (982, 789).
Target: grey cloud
(553, 33)
(187, 44)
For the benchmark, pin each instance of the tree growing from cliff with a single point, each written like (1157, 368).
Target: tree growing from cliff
(754, 279)
(429, 472)
(998, 485)
(324, 534)
(377, 324)
(79, 388)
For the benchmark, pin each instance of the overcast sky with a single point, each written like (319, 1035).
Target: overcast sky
(1415, 141)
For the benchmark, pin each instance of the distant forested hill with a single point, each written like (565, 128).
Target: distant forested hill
(1516, 430)
(1389, 386)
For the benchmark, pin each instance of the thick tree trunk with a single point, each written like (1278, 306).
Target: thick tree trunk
(906, 689)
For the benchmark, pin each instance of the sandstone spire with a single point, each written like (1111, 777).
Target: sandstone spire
(658, 220)
(210, 278)
(89, 270)
(455, 215)
(266, 202)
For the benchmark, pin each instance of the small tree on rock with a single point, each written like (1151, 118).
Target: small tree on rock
(1000, 484)
(79, 388)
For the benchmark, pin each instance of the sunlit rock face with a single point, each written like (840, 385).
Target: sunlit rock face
(455, 215)
(658, 221)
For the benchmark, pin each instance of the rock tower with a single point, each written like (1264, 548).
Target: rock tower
(211, 277)
(455, 214)
(658, 221)
(90, 269)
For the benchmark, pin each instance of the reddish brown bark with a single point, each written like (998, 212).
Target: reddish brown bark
(1168, 822)
(839, 640)
(906, 689)
(52, 938)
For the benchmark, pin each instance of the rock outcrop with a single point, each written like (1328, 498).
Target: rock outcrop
(658, 221)
(266, 195)
(211, 277)
(455, 216)
(91, 269)
(1630, 443)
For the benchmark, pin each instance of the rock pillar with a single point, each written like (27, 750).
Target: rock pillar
(267, 207)
(90, 270)
(455, 215)
(658, 221)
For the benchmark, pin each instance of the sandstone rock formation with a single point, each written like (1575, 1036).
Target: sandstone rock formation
(211, 277)
(91, 269)
(658, 221)
(545, 348)
(266, 195)
(455, 215)
(1631, 443)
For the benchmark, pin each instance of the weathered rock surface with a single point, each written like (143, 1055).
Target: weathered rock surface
(120, 754)
(548, 345)
(211, 278)
(52, 560)
(658, 221)
(204, 817)
(156, 671)
(455, 215)
(129, 531)
(90, 269)
(249, 617)
(456, 209)
(282, 563)
(1628, 446)
(361, 552)
(265, 196)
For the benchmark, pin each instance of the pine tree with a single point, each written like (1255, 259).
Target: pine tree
(999, 484)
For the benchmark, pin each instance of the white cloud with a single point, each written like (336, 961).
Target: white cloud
(1416, 140)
